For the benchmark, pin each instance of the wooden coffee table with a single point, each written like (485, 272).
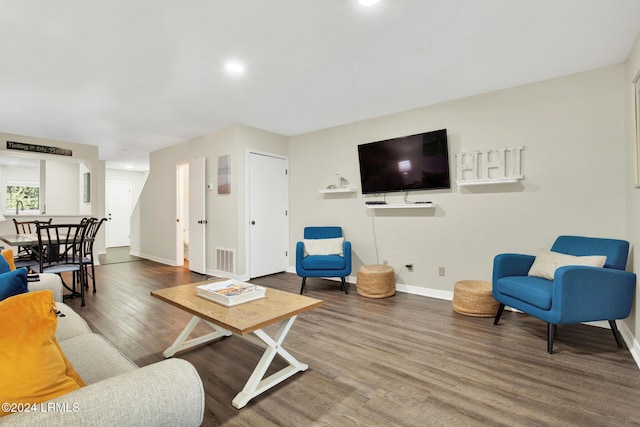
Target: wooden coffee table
(247, 321)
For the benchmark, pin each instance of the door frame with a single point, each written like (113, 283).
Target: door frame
(180, 167)
(247, 220)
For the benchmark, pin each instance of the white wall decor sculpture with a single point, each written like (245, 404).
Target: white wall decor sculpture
(489, 166)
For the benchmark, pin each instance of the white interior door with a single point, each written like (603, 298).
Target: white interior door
(118, 226)
(197, 216)
(268, 205)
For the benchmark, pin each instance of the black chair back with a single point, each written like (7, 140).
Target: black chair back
(28, 227)
(59, 244)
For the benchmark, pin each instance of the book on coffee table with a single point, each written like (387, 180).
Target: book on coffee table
(230, 292)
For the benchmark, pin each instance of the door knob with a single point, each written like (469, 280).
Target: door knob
(253, 223)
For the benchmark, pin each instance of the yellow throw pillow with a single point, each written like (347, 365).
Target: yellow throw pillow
(33, 368)
(8, 256)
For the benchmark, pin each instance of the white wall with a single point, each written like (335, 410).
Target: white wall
(153, 233)
(573, 162)
(135, 178)
(632, 191)
(64, 192)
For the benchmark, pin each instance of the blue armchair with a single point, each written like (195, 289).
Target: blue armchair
(325, 255)
(576, 294)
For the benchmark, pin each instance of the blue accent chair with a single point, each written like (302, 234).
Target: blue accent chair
(323, 265)
(576, 294)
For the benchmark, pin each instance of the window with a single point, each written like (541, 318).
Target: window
(23, 196)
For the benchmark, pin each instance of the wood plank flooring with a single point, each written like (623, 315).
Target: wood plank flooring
(401, 361)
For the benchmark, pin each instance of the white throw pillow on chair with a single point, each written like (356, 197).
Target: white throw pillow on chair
(323, 246)
(547, 262)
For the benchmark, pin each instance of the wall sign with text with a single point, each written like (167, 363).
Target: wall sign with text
(34, 148)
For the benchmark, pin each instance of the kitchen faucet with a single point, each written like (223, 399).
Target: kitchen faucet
(19, 204)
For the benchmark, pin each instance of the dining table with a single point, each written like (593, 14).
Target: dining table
(20, 239)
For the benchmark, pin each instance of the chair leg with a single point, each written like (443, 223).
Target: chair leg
(551, 331)
(304, 280)
(93, 276)
(83, 285)
(345, 285)
(616, 333)
(498, 314)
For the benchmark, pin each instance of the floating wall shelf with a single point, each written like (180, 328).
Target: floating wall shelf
(337, 190)
(403, 206)
(509, 180)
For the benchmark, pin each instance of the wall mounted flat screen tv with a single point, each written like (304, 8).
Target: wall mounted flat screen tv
(415, 162)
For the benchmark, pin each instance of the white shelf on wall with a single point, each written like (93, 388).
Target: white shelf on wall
(337, 190)
(403, 206)
(490, 181)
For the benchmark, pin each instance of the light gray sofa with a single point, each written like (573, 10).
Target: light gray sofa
(118, 393)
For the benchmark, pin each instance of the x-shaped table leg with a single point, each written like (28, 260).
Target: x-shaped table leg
(256, 384)
(181, 343)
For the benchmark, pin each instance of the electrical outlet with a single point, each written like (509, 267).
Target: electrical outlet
(409, 267)
(440, 271)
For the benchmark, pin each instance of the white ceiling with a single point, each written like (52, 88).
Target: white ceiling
(134, 76)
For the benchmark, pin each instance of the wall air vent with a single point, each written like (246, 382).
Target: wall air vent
(225, 260)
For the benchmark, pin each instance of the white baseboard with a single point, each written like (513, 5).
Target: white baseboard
(171, 262)
(227, 275)
(632, 343)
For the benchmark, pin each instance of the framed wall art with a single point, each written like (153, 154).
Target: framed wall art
(224, 174)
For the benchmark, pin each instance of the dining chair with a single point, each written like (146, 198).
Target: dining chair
(60, 250)
(88, 260)
(25, 256)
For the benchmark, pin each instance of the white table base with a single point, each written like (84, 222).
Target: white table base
(273, 346)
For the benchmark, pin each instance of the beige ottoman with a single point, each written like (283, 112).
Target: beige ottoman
(376, 281)
(474, 298)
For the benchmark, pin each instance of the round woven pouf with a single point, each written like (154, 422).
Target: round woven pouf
(474, 298)
(376, 281)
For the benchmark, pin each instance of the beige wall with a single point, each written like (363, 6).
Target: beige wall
(154, 219)
(632, 192)
(573, 162)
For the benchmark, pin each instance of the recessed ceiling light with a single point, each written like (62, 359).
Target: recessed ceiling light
(367, 2)
(233, 66)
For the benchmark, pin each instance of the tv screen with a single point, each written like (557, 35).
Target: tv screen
(415, 162)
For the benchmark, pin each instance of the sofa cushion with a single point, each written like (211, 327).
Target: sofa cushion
(33, 368)
(547, 262)
(7, 254)
(4, 265)
(323, 246)
(532, 290)
(13, 283)
(324, 262)
(95, 358)
(71, 324)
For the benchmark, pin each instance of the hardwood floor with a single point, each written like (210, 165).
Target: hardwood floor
(402, 361)
(116, 255)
